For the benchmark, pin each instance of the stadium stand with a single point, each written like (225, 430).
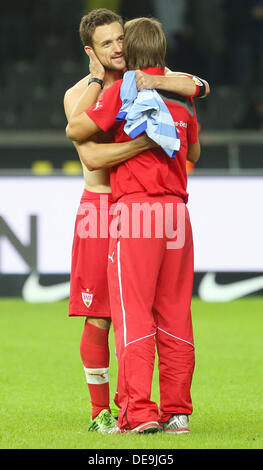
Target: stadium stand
(50, 59)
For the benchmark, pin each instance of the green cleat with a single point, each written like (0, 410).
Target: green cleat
(103, 423)
(114, 410)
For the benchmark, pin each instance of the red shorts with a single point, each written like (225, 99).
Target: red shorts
(88, 280)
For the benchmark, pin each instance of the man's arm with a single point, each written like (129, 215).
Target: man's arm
(97, 156)
(194, 150)
(177, 82)
(94, 155)
(205, 88)
(80, 127)
(72, 99)
(92, 92)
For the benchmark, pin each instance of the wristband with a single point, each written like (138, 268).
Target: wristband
(97, 80)
(200, 88)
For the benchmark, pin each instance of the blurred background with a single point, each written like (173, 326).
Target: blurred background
(41, 56)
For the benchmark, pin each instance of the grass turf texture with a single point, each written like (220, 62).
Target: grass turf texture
(44, 399)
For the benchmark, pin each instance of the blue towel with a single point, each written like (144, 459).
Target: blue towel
(145, 111)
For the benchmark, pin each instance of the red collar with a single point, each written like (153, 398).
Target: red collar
(154, 71)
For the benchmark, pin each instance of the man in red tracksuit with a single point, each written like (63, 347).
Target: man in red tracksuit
(150, 277)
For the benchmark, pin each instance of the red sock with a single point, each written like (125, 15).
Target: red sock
(94, 351)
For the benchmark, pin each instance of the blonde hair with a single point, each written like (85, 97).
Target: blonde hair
(144, 43)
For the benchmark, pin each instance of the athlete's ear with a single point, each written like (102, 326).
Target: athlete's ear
(87, 49)
(91, 52)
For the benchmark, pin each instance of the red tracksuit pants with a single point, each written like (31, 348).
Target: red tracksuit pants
(150, 285)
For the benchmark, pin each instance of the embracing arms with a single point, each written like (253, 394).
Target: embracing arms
(96, 155)
(183, 84)
(80, 127)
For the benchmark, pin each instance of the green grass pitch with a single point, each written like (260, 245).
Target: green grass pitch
(44, 400)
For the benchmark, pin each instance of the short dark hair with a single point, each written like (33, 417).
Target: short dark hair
(92, 20)
(144, 43)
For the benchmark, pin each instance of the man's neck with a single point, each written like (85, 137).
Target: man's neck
(111, 76)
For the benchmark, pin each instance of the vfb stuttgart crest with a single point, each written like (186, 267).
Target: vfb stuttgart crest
(87, 299)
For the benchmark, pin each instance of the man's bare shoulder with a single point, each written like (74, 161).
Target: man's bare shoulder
(70, 98)
(78, 88)
(74, 93)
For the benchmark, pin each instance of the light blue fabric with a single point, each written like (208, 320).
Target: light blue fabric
(145, 111)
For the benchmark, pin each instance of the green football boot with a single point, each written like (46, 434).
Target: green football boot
(103, 423)
(114, 410)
